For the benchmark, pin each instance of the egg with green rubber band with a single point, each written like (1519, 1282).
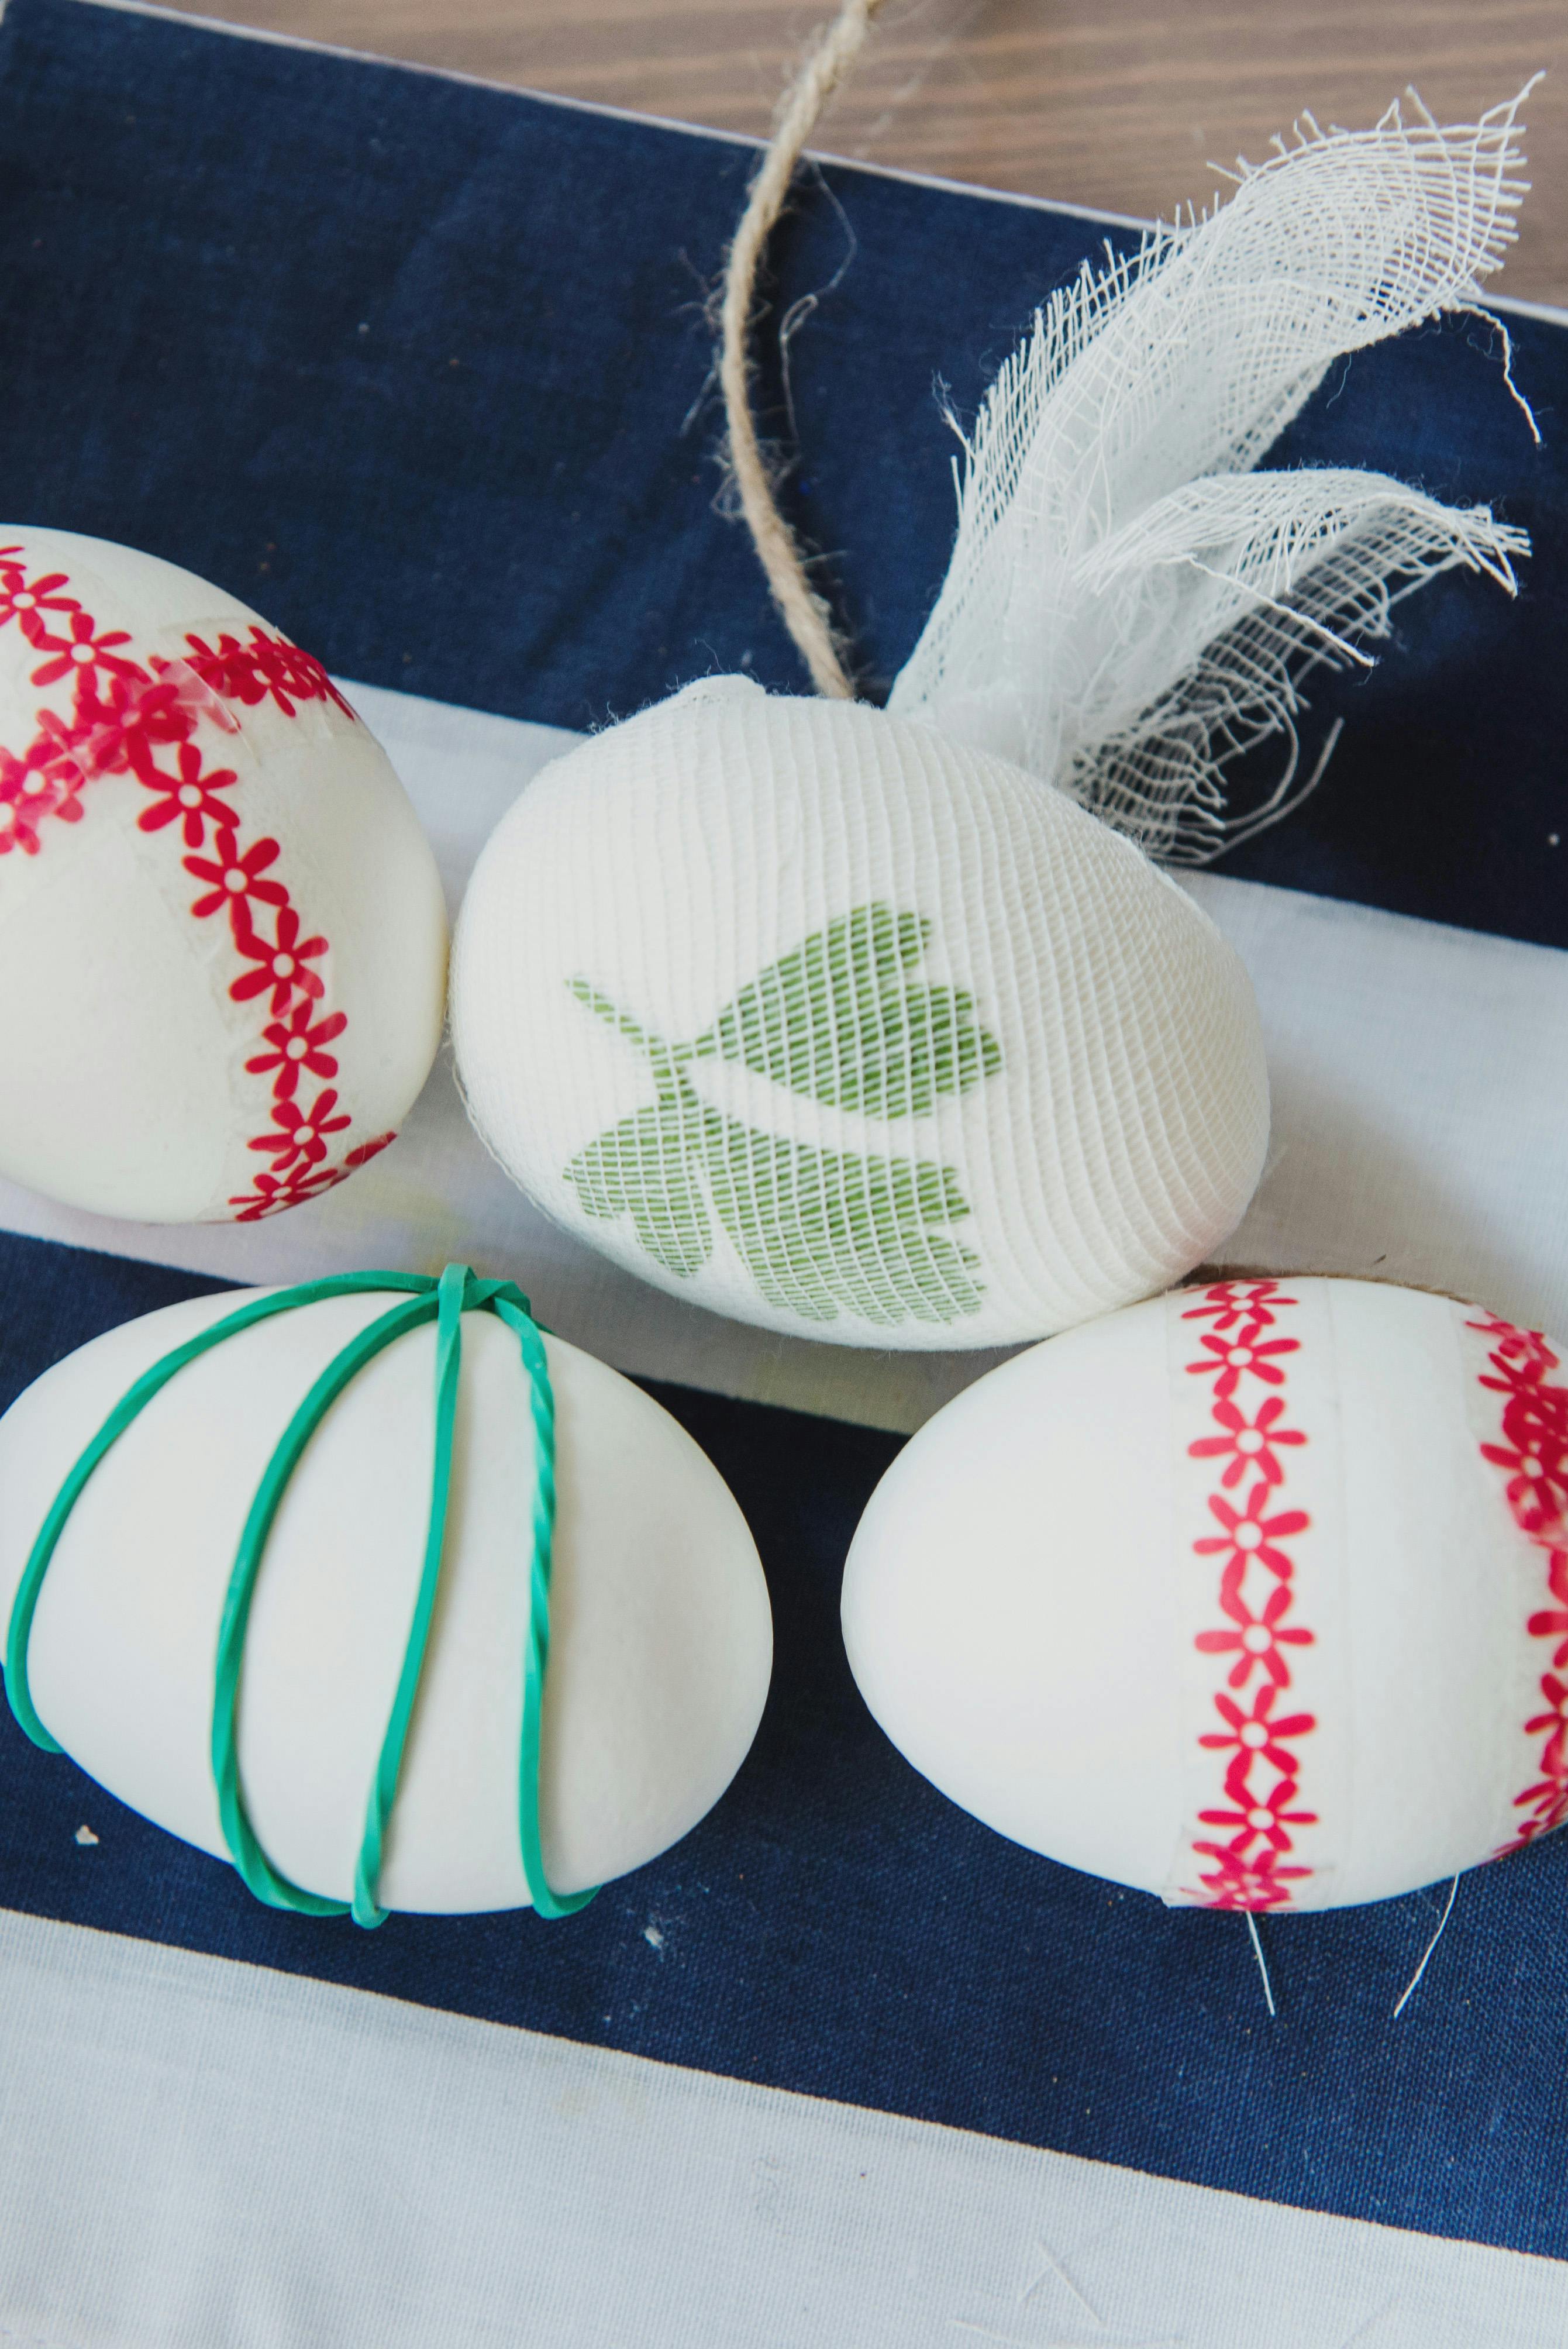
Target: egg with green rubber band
(290, 1620)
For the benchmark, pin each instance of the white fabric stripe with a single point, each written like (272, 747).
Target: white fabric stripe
(1419, 1076)
(171, 2173)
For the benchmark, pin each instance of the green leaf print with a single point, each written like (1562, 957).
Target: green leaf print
(840, 1019)
(643, 1168)
(822, 1232)
(825, 1233)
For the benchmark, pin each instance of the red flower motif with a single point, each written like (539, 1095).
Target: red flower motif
(1249, 1442)
(267, 666)
(297, 1044)
(1249, 1535)
(1523, 1375)
(1537, 1485)
(18, 824)
(121, 726)
(41, 782)
(1267, 1816)
(280, 964)
(270, 1196)
(25, 600)
(53, 756)
(1525, 1351)
(1534, 1458)
(1230, 1303)
(1548, 1800)
(195, 697)
(1234, 1360)
(1553, 1620)
(1254, 1733)
(1253, 1869)
(235, 880)
(1537, 1414)
(188, 797)
(1554, 1723)
(83, 648)
(124, 716)
(299, 1141)
(1257, 1639)
(290, 670)
(1238, 1883)
(274, 1193)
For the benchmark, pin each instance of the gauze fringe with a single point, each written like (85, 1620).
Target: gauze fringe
(1130, 605)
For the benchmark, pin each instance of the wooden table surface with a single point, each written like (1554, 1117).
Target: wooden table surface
(1120, 104)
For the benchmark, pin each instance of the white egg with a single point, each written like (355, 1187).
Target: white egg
(660, 1633)
(221, 925)
(824, 1021)
(1253, 1596)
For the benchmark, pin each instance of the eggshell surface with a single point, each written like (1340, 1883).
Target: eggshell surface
(829, 1023)
(216, 901)
(1250, 1596)
(660, 1630)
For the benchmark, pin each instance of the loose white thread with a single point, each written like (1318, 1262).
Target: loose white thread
(803, 610)
(1432, 1945)
(1263, 1961)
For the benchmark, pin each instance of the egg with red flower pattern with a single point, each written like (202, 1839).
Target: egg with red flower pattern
(219, 919)
(1254, 1595)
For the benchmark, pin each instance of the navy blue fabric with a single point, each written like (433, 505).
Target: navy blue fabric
(418, 368)
(837, 1926)
(409, 364)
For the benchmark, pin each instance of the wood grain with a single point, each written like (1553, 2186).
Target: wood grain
(1122, 105)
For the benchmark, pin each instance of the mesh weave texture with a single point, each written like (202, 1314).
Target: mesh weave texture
(833, 1025)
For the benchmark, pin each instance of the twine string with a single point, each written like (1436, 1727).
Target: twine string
(804, 612)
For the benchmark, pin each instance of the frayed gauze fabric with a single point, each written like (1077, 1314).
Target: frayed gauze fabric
(869, 1023)
(1131, 602)
(903, 1048)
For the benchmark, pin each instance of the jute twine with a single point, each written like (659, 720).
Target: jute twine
(803, 610)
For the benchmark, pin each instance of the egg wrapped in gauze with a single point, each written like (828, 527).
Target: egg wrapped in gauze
(641, 1621)
(904, 1050)
(1253, 1596)
(866, 1023)
(216, 903)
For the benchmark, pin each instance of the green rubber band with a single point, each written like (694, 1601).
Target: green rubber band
(445, 1302)
(265, 1880)
(128, 1408)
(536, 1649)
(389, 1763)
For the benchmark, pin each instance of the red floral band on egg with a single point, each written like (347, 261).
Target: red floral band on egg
(140, 719)
(1531, 1455)
(1252, 1867)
